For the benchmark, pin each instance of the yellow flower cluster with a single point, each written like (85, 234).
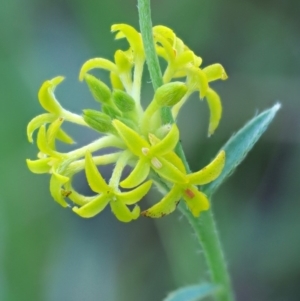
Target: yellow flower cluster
(144, 142)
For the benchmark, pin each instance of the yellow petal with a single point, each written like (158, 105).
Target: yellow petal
(132, 139)
(214, 72)
(37, 122)
(184, 58)
(97, 63)
(93, 207)
(115, 81)
(137, 175)
(166, 32)
(196, 200)
(123, 61)
(168, 143)
(215, 108)
(52, 132)
(46, 95)
(170, 172)
(166, 206)
(78, 198)
(134, 38)
(39, 166)
(42, 142)
(197, 81)
(122, 212)
(209, 172)
(64, 137)
(56, 183)
(135, 195)
(170, 51)
(175, 160)
(94, 178)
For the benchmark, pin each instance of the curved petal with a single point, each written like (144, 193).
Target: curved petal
(56, 183)
(209, 172)
(46, 95)
(168, 47)
(184, 58)
(135, 195)
(168, 143)
(94, 178)
(196, 200)
(64, 137)
(132, 139)
(137, 175)
(42, 143)
(123, 61)
(52, 132)
(166, 206)
(166, 32)
(37, 122)
(122, 212)
(175, 160)
(197, 81)
(215, 72)
(97, 63)
(39, 166)
(134, 38)
(215, 108)
(93, 207)
(170, 172)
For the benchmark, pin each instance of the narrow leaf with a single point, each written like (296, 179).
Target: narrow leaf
(193, 292)
(241, 143)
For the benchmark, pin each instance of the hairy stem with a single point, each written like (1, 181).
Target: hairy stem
(204, 226)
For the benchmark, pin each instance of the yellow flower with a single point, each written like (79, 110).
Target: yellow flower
(196, 200)
(110, 195)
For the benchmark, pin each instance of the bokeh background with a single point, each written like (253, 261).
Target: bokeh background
(49, 254)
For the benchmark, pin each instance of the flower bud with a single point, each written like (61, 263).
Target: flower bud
(170, 94)
(123, 101)
(99, 90)
(98, 121)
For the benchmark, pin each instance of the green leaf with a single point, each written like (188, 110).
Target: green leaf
(193, 292)
(241, 143)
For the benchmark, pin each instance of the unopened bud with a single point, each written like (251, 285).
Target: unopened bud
(123, 101)
(100, 91)
(170, 94)
(98, 121)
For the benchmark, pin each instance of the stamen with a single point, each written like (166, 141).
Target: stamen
(145, 151)
(156, 163)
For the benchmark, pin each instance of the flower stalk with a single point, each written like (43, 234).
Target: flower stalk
(204, 226)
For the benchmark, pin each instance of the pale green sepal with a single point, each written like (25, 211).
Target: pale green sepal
(64, 137)
(131, 138)
(241, 143)
(214, 72)
(122, 212)
(99, 121)
(94, 178)
(168, 143)
(97, 63)
(169, 94)
(194, 292)
(39, 166)
(46, 95)
(170, 172)
(215, 108)
(135, 195)
(196, 200)
(93, 207)
(210, 172)
(123, 101)
(137, 175)
(37, 122)
(166, 206)
(98, 88)
(56, 183)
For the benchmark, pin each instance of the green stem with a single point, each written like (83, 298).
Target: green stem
(204, 226)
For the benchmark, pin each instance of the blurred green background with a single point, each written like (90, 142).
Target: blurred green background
(49, 254)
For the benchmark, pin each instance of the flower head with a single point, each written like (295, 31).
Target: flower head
(143, 141)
